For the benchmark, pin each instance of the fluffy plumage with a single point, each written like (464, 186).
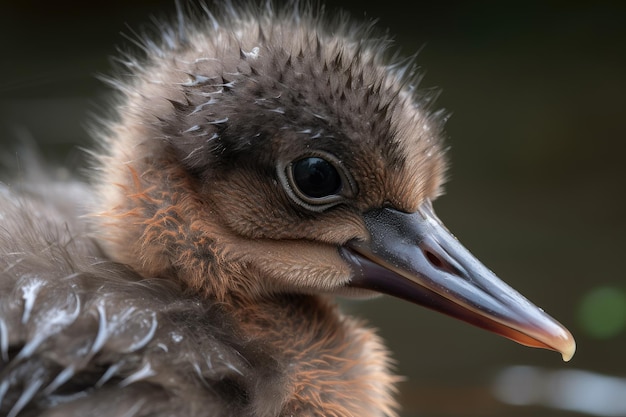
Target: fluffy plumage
(216, 106)
(195, 275)
(83, 335)
(184, 196)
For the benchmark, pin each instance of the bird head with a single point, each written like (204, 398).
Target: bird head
(260, 153)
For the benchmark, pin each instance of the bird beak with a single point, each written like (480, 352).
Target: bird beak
(414, 257)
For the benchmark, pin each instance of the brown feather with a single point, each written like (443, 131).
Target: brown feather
(199, 286)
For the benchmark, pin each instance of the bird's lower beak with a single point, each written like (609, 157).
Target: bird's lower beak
(414, 257)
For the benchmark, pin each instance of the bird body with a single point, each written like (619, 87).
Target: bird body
(258, 163)
(83, 335)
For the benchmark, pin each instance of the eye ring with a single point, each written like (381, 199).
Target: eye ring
(326, 167)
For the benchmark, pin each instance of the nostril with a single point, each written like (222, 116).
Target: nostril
(438, 262)
(433, 259)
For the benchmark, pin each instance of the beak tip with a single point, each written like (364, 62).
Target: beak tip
(569, 348)
(552, 335)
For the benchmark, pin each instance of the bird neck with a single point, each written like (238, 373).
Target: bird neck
(333, 364)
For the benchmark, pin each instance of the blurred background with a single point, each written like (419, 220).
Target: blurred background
(538, 177)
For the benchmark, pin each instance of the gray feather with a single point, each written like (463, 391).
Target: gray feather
(84, 336)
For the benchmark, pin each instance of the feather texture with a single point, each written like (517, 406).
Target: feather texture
(82, 335)
(187, 280)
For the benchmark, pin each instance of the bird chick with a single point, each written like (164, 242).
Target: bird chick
(259, 162)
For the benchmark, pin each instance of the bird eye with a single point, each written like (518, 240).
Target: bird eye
(316, 177)
(316, 181)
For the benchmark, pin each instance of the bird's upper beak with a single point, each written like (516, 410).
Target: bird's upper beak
(414, 257)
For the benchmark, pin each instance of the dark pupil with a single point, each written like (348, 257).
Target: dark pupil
(316, 177)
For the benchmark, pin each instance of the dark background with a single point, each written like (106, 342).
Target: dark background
(538, 141)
